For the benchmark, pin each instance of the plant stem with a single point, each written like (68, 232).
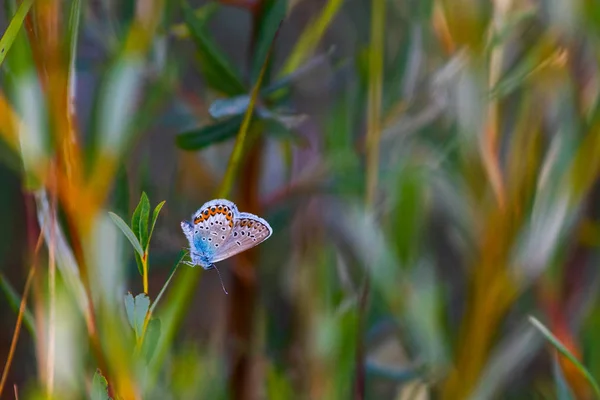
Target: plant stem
(23, 305)
(145, 271)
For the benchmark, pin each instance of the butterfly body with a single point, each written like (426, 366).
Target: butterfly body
(218, 231)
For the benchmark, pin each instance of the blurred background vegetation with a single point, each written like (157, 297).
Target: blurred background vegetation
(429, 168)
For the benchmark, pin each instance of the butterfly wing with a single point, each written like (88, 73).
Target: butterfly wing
(213, 223)
(248, 231)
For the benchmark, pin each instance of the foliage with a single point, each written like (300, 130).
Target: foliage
(429, 169)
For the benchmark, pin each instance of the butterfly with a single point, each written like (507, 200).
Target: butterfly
(218, 231)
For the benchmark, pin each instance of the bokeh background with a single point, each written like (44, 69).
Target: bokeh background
(429, 168)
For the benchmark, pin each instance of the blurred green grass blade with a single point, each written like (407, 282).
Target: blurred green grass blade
(236, 154)
(311, 36)
(144, 216)
(273, 12)
(127, 232)
(151, 338)
(13, 28)
(564, 351)
(203, 14)
(99, 387)
(563, 391)
(73, 34)
(15, 302)
(218, 70)
(200, 138)
(154, 218)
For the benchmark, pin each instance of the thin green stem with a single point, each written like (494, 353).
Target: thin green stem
(236, 155)
(13, 28)
(145, 271)
(374, 97)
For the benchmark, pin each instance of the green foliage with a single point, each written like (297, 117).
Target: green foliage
(99, 387)
(137, 309)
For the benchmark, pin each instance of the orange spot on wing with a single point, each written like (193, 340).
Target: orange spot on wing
(197, 220)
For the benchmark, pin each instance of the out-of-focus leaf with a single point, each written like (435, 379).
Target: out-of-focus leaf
(99, 387)
(136, 309)
(154, 218)
(227, 107)
(268, 24)
(203, 14)
(13, 28)
(563, 391)
(204, 137)
(15, 302)
(278, 385)
(127, 232)
(218, 71)
(151, 338)
(564, 351)
(144, 216)
(311, 36)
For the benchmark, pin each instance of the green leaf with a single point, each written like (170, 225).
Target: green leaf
(144, 216)
(562, 349)
(151, 338)
(128, 233)
(217, 69)
(204, 137)
(136, 311)
(135, 218)
(267, 26)
(99, 387)
(13, 28)
(154, 218)
(14, 300)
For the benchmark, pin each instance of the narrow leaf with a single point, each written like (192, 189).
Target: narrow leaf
(151, 338)
(14, 300)
(144, 216)
(204, 137)
(128, 233)
(311, 36)
(154, 218)
(13, 28)
(99, 387)
(218, 70)
(135, 218)
(267, 26)
(564, 351)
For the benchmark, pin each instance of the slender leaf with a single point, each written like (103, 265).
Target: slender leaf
(151, 338)
(128, 233)
(13, 28)
(99, 387)
(204, 137)
(154, 218)
(218, 70)
(268, 24)
(135, 218)
(144, 216)
(14, 300)
(311, 36)
(564, 351)
(136, 309)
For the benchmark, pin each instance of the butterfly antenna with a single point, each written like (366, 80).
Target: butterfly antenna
(221, 279)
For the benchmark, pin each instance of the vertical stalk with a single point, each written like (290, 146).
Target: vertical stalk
(145, 271)
(374, 97)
